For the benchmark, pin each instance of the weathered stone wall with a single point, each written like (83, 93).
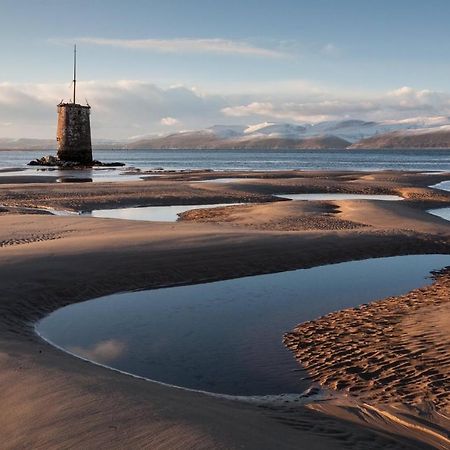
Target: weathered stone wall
(74, 133)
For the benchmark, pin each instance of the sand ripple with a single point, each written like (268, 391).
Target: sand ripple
(394, 351)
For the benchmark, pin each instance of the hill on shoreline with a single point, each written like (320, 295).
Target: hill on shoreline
(331, 135)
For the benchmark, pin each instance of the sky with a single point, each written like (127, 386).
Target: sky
(163, 66)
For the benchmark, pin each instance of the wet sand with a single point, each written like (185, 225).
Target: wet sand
(53, 400)
(391, 355)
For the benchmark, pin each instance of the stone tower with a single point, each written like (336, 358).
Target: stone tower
(74, 133)
(74, 129)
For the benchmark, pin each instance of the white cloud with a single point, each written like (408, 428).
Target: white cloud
(169, 121)
(399, 104)
(125, 108)
(102, 352)
(248, 110)
(183, 45)
(331, 49)
(310, 112)
(119, 109)
(409, 98)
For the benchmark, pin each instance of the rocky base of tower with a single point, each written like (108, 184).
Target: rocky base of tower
(53, 161)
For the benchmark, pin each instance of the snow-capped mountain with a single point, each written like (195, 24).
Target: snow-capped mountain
(227, 131)
(409, 133)
(269, 129)
(332, 134)
(349, 130)
(431, 137)
(355, 130)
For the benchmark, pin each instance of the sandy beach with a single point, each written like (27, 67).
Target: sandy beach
(388, 385)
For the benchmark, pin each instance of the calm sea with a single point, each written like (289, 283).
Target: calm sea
(422, 160)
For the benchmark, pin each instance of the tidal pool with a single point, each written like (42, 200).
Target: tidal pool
(225, 180)
(78, 175)
(443, 185)
(444, 213)
(334, 196)
(226, 336)
(151, 213)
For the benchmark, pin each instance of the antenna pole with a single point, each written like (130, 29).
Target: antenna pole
(74, 71)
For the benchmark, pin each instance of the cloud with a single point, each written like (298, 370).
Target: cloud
(125, 108)
(102, 352)
(409, 98)
(120, 109)
(311, 111)
(182, 45)
(169, 121)
(331, 49)
(399, 104)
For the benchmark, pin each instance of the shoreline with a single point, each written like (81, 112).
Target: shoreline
(381, 366)
(258, 399)
(111, 255)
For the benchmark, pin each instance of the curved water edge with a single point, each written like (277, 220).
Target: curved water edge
(168, 213)
(443, 213)
(311, 394)
(96, 175)
(228, 180)
(235, 347)
(340, 196)
(171, 213)
(443, 185)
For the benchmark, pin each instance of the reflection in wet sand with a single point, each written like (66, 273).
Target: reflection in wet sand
(103, 352)
(336, 196)
(152, 213)
(443, 213)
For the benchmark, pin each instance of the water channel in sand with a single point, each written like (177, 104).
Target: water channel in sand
(226, 336)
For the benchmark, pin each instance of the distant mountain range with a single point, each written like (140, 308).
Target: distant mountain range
(352, 134)
(50, 144)
(27, 144)
(421, 138)
(325, 135)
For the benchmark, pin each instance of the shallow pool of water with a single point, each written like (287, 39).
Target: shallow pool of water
(444, 213)
(225, 180)
(444, 185)
(226, 336)
(151, 213)
(94, 175)
(334, 196)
